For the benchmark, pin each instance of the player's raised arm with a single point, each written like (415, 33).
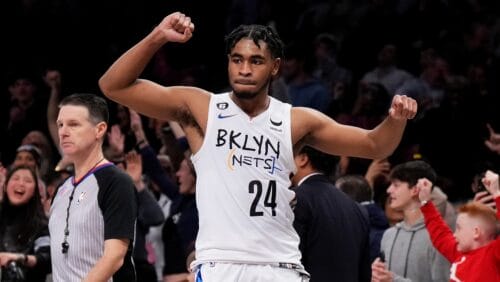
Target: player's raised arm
(121, 81)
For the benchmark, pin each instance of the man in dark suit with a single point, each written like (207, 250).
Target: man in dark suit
(333, 229)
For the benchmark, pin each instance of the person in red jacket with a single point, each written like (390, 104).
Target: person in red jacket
(474, 248)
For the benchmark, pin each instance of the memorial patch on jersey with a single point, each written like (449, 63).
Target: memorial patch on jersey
(222, 105)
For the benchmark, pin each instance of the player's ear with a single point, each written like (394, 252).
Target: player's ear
(276, 66)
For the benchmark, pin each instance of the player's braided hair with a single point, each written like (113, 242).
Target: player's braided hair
(256, 32)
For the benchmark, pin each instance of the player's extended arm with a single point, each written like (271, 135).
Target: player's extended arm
(325, 134)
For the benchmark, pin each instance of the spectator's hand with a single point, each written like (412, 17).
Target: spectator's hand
(376, 168)
(175, 27)
(116, 139)
(424, 188)
(136, 126)
(493, 142)
(134, 167)
(3, 174)
(53, 79)
(380, 272)
(490, 181)
(135, 121)
(403, 107)
(6, 258)
(62, 164)
(485, 198)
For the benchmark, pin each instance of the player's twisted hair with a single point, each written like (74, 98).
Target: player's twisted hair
(256, 33)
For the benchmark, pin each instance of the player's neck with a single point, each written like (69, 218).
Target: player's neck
(253, 106)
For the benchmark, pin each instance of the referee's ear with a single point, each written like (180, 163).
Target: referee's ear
(100, 130)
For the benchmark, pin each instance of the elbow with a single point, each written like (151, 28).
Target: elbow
(155, 223)
(151, 220)
(115, 253)
(118, 264)
(381, 149)
(158, 218)
(105, 87)
(381, 152)
(377, 156)
(109, 87)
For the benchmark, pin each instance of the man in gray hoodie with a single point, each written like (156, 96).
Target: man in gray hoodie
(407, 248)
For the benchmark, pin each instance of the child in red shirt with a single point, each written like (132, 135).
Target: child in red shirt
(474, 248)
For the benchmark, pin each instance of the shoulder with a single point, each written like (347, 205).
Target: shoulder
(111, 177)
(321, 181)
(111, 172)
(116, 190)
(299, 113)
(389, 233)
(304, 121)
(303, 195)
(190, 93)
(314, 188)
(312, 180)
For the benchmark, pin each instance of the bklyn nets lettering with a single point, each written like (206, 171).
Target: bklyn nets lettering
(248, 150)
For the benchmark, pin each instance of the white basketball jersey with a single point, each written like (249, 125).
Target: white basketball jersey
(242, 188)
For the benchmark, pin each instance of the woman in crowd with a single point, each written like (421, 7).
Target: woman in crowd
(24, 236)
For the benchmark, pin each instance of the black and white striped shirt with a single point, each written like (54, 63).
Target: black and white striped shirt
(104, 206)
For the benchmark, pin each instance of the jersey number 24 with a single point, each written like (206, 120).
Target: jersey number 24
(255, 187)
